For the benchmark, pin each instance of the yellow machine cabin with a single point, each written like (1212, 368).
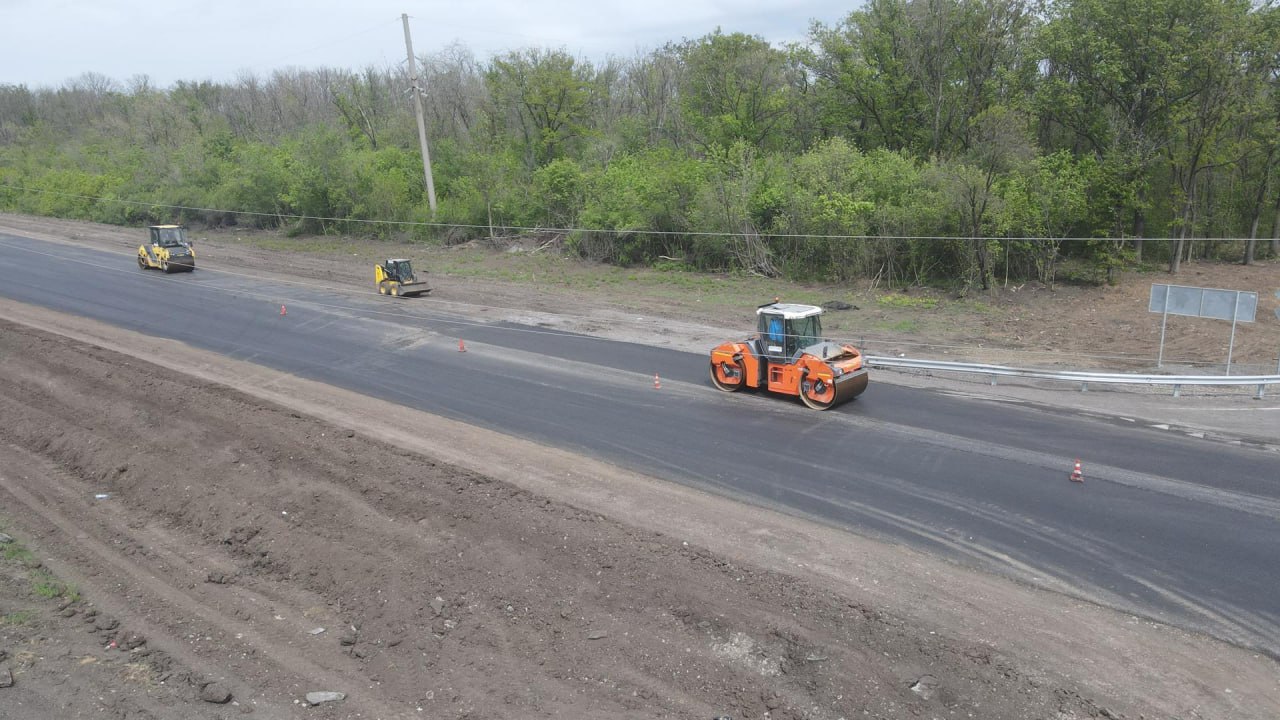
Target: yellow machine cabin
(396, 277)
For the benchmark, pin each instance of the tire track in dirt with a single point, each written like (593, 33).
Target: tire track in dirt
(156, 595)
(136, 611)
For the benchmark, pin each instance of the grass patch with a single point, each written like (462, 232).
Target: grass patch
(18, 617)
(905, 326)
(46, 585)
(17, 552)
(907, 302)
(43, 583)
(316, 245)
(898, 326)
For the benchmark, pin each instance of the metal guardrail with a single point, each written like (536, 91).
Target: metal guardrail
(1084, 378)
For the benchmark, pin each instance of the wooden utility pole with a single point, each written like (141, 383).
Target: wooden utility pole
(422, 125)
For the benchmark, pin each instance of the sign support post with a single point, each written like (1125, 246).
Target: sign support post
(1235, 312)
(1278, 353)
(1164, 321)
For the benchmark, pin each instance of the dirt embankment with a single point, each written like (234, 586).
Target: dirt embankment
(232, 530)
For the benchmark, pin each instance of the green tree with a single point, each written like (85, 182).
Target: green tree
(864, 88)
(364, 102)
(1126, 80)
(650, 101)
(736, 88)
(548, 96)
(999, 146)
(560, 184)
(1257, 131)
(644, 201)
(1043, 205)
(913, 74)
(743, 197)
(1212, 76)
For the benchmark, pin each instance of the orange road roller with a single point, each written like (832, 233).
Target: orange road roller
(788, 355)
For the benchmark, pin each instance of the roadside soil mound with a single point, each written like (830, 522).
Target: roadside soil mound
(216, 535)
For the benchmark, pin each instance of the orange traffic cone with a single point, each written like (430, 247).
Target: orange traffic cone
(1077, 475)
(282, 312)
(461, 346)
(657, 384)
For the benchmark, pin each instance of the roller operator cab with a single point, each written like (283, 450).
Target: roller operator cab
(168, 249)
(396, 277)
(788, 355)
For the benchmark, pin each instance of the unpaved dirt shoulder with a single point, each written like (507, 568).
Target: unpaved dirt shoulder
(225, 525)
(127, 639)
(61, 657)
(935, 618)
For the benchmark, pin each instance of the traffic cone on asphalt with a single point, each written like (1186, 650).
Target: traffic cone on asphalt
(1077, 475)
(461, 346)
(282, 312)
(657, 384)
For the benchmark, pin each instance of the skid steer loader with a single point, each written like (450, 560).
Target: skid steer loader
(396, 277)
(168, 250)
(788, 355)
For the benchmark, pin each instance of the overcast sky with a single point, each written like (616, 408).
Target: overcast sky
(44, 43)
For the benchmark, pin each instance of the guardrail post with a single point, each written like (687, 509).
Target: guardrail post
(1084, 387)
(1258, 396)
(993, 380)
(1177, 390)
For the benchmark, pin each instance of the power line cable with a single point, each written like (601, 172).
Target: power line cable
(330, 42)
